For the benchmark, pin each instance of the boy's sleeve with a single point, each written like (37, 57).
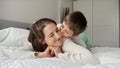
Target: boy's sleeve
(85, 39)
(79, 58)
(78, 40)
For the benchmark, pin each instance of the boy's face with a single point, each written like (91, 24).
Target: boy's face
(66, 32)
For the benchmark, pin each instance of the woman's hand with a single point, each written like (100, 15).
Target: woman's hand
(57, 50)
(49, 52)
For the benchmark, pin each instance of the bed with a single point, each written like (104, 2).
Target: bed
(17, 52)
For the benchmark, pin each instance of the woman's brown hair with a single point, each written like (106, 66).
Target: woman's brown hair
(36, 35)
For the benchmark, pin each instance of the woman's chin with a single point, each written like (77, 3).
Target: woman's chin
(59, 43)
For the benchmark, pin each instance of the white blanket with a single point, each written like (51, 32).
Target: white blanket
(16, 52)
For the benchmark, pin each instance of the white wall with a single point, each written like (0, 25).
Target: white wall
(106, 22)
(103, 21)
(64, 4)
(28, 10)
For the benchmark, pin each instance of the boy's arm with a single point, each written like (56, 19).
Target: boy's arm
(79, 58)
(85, 39)
(77, 53)
(78, 40)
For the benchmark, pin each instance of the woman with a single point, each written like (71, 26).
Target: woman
(44, 36)
(47, 40)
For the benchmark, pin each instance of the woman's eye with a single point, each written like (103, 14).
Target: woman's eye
(51, 35)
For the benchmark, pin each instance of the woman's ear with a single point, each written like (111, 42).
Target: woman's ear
(43, 42)
(40, 41)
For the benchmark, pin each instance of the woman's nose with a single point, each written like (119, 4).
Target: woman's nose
(58, 35)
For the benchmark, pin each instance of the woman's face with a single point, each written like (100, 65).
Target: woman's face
(66, 32)
(52, 35)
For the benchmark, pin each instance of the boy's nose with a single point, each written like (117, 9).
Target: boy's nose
(62, 31)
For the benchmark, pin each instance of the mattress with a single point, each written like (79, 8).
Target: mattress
(17, 52)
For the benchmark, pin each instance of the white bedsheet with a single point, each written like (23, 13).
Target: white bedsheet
(16, 52)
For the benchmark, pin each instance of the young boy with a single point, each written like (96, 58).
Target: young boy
(73, 25)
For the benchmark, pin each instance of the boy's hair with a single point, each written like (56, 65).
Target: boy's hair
(76, 22)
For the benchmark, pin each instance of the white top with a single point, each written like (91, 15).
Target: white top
(76, 53)
(77, 39)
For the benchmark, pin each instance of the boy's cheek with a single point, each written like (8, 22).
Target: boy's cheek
(61, 33)
(65, 35)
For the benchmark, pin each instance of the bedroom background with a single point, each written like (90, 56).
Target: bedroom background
(102, 16)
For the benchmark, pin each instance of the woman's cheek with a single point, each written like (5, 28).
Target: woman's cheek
(50, 42)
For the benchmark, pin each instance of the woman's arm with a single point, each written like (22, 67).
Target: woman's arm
(47, 53)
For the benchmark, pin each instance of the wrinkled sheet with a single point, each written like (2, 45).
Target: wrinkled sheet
(16, 52)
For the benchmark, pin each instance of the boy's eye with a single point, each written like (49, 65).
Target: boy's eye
(62, 27)
(67, 33)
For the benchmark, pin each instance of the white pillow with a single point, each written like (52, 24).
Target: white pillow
(12, 33)
(4, 33)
